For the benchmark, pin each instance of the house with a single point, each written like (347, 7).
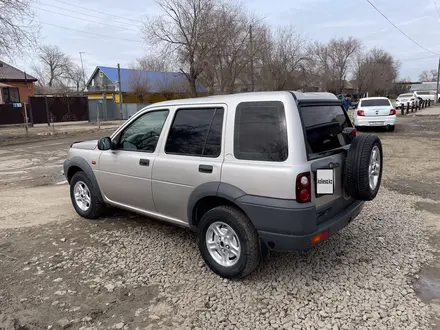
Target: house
(138, 86)
(15, 85)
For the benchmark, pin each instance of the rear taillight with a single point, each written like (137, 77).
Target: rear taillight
(392, 112)
(303, 188)
(361, 113)
(411, 99)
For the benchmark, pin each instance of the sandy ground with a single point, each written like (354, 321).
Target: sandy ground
(37, 222)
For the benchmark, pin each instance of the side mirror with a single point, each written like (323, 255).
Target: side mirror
(105, 143)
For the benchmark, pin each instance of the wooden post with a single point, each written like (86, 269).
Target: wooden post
(97, 115)
(53, 124)
(26, 120)
(47, 111)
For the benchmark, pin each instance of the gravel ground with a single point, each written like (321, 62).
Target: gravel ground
(129, 272)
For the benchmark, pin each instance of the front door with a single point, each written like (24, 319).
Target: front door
(191, 155)
(124, 172)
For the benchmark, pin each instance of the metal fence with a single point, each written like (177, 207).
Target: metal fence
(109, 110)
(11, 114)
(47, 109)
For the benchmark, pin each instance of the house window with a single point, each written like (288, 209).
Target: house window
(11, 95)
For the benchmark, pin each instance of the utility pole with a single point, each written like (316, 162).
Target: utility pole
(438, 77)
(252, 59)
(82, 68)
(120, 93)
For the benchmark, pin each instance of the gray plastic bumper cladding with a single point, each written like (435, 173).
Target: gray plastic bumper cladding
(285, 225)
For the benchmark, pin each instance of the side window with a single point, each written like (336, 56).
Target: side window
(260, 131)
(196, 132)
(143, 134)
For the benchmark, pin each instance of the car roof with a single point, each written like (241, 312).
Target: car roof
(249, 96)
(374, 98)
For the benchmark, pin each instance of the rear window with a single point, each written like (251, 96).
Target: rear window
(375, 103)
(323, 126)
(423, 93)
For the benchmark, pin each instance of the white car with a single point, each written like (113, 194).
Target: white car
(375, 111)
(406, 98)
(426, 95)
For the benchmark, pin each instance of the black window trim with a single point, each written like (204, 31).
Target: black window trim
(202, 107)
(323, 103)
(235, 134)
(117, 137)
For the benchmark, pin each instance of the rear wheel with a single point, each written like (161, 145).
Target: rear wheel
(391, 128)
(228, 242)
(363, 168)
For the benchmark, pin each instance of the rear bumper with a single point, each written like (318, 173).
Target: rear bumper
(285, 225)
(368, 121)
(282, 242)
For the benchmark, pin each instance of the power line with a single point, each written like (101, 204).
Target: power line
(415, 42)
(436, 7)
(97, 11)
(87, 32)
(82, 13)
(87, 20)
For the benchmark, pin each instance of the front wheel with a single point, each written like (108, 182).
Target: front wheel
(228, 242)
(84, 198)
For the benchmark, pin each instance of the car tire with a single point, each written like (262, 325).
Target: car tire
(391, 128)
(244, 238)
(88, 205)
(363, 169)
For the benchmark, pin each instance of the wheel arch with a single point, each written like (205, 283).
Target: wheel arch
(209, 195)
(78, 164)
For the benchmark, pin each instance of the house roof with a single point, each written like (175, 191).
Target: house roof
(156, 81)
(9, 73)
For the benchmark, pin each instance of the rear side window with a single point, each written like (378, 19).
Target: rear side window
(260, 131)
(196, 132)
(375, 103)
(323, 126)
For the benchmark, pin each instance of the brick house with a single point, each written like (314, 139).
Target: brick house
(15, 85)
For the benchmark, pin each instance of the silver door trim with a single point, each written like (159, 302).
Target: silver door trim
(149, 214)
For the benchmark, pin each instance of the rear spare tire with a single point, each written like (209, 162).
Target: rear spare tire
(363, 167)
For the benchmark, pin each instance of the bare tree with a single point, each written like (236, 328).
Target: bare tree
(76, 76)
(282, 59)
(341, 53)
(375, 72)
(186, 27)
(428, 76)
(138, 85)
(18, 30)
(153, 63)
(54, 67)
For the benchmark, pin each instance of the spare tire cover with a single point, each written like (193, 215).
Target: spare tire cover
(363, 167)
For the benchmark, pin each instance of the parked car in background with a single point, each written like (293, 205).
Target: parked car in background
(425, 95)
(406, 98)
(375, 111)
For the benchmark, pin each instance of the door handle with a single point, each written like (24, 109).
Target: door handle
(144, 162)
(206, 168)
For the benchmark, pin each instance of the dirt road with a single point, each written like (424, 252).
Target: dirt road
(58, 271)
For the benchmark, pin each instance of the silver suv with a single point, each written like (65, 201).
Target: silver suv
(248, 172)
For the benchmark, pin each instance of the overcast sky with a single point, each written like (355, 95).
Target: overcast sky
(78, 26)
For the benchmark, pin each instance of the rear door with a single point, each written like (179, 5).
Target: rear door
(191, 156)
(326, 147)
(375, 107)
